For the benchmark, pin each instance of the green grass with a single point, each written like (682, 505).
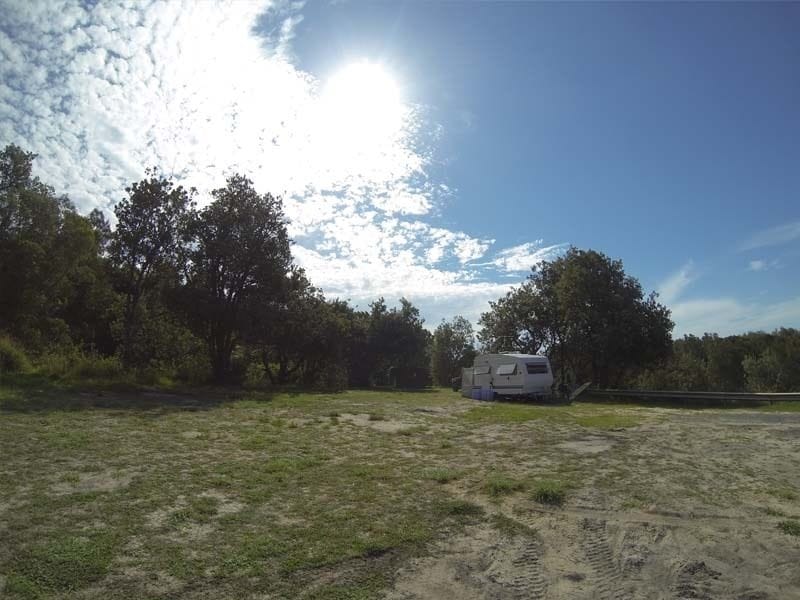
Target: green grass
(502, 485)
(783, 493)
(550, 492)
(110, 494)
(442, 475)
(781, 406)
(460, 509)
(501, 412)
(586, 415)
(790, 527)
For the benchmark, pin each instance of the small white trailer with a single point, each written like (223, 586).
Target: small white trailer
(507, 375)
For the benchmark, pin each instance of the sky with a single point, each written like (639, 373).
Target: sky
(439, 151)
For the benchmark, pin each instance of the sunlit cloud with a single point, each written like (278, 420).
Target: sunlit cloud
(205, 89)
(526, 256)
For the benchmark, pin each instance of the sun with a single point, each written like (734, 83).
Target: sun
(363, 104)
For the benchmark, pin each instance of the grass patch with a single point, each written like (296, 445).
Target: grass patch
(63, 564)
(783, 493)
(511, 527)
(782, 406)
(773, 512)
(441, 475)
(790, 527)
(501, 485)
(460, 509)
(502, 412)
(549, 492)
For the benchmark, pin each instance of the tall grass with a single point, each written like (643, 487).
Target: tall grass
(12, 357)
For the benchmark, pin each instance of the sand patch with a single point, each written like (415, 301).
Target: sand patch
(588, 445)
(106, 481)
(385, 425)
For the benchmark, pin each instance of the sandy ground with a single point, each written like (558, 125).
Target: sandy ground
(706, 528)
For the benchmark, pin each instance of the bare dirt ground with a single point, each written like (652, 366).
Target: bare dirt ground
(682, 507)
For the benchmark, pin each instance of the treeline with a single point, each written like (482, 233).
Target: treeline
(754, 362)
(212, 294)
(175, 291)
(596, 324)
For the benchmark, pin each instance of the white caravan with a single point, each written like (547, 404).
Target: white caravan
(512, 375)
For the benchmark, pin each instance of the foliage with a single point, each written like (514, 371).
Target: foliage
(12, 358)
(52, 285)
(586, 313)
(239, 254)
(214, 294)
(756, 361)
(148, 240)
(452, 348)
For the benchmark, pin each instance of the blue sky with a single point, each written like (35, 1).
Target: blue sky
(438, 150)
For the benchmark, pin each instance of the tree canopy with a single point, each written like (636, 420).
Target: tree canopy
(590, 317)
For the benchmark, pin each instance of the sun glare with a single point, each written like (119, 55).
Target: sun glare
(363, 103)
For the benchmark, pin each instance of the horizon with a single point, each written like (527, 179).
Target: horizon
(662, 135)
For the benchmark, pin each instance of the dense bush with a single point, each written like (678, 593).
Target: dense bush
(12, 357)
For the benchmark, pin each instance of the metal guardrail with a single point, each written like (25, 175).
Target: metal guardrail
(721, 397)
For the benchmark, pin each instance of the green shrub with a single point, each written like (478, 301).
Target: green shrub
(255, 376)
(12, 358)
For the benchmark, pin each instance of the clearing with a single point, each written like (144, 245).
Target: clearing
(393, 495)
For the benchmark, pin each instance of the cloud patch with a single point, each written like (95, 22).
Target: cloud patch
(673, 286)
(524, 257)
(728, 316)
(782, 234)
(203, 89)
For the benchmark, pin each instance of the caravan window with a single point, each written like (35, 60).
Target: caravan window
(536, 368)
(507, 369)
(484, 370)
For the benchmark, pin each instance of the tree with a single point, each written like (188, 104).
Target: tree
(149, 238)
(452, 348)
(49, 266)
(397, 338)
(590, 317)
(240, 252)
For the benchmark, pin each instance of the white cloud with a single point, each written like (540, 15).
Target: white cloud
(763, 265)
(671, 288)
(101, 92)
(728, 316)
(523, 257)
(774, 236)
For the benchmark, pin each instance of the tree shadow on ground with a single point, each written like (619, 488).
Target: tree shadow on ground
(36, 393)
